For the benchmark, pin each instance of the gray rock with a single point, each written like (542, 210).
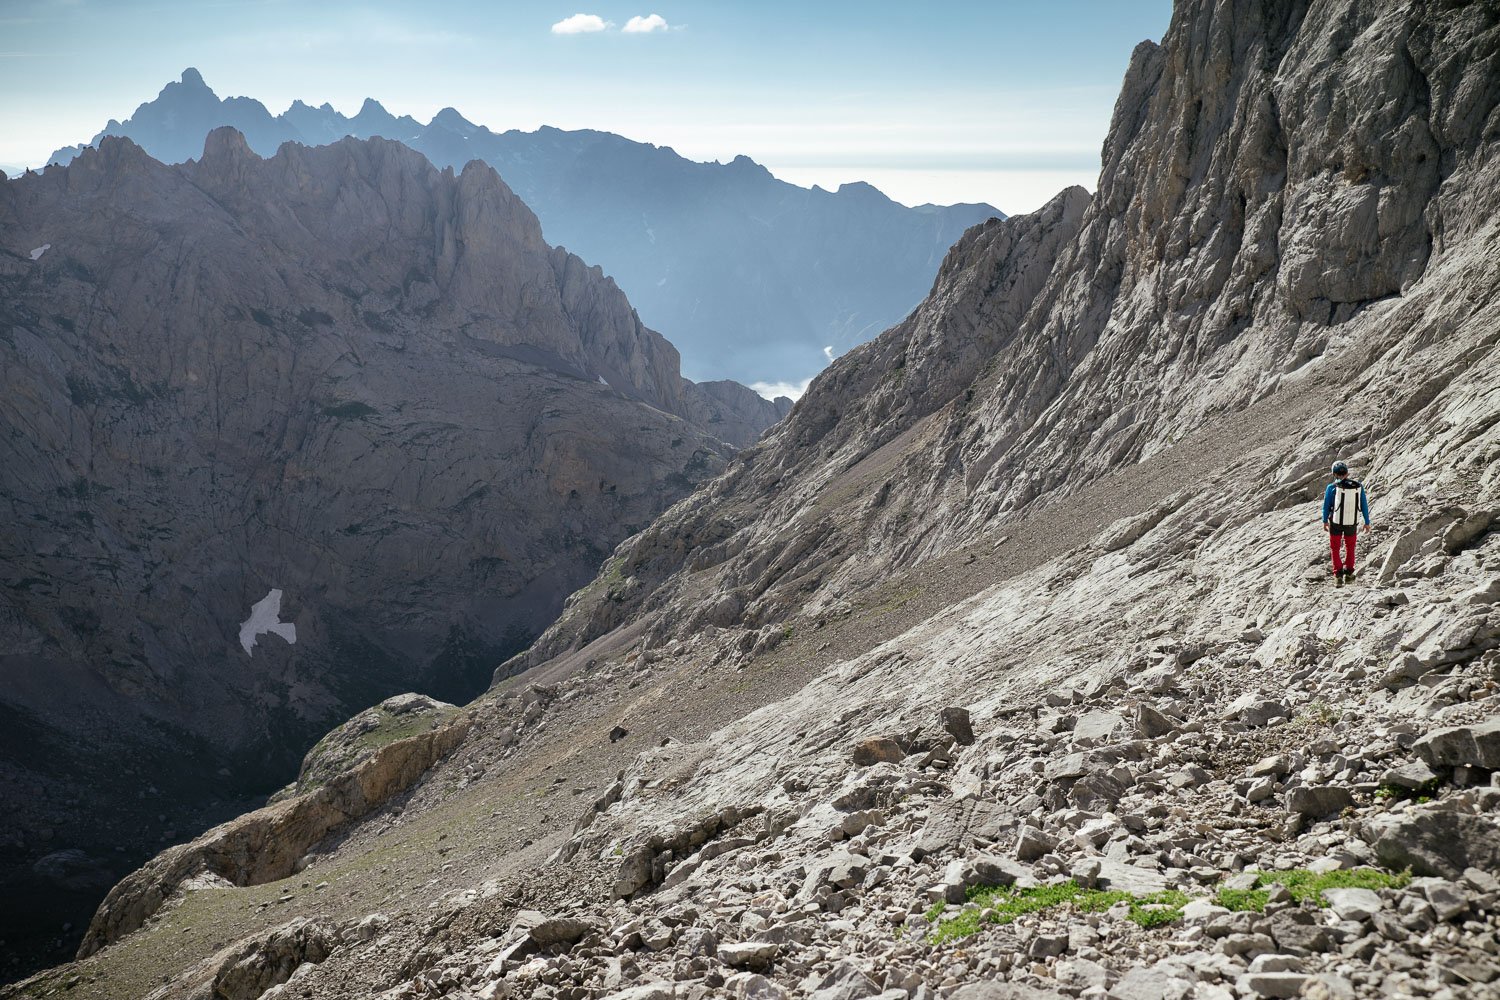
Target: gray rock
(754, 955)
(558, 930)
(1476, 745)
(1353, 904)
(1413, 776)
(1318, 800)
(955, 722)
(1438, 840)
(877, 750)
(1151, 983)
(1097, 727)
(1032, 843)
(1272, 984)
(1150, 723)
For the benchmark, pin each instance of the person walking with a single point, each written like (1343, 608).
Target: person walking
(1344, 503)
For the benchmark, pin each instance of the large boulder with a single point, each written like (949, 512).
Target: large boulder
(1440, 840)
(1477, 745)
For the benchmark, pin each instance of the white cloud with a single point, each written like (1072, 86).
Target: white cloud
(645, 25)
(770, 390)
(828, 352)
(582, 24)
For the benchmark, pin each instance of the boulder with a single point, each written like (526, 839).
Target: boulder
(1476, 745)
(1318, 800)
(877, 750)
(1032, 843)
(562, 930)
(956, 723)
(1097, 727)
(1439, 840)
(753, 955)
(1353, 904)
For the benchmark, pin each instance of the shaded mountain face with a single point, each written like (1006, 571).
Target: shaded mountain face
(282, 438)
(751, 277)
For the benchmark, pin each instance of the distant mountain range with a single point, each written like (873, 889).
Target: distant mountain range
(749, 276)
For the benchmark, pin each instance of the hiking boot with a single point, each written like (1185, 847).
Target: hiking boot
(1349, 575)
(1338, 578)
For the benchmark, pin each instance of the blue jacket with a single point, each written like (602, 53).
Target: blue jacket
(1364, 503)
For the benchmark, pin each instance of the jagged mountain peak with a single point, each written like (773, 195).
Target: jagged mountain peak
(761, 307)
(191, 78)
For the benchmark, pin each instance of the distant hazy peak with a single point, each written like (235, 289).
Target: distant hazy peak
(450, 119)
(192, 78)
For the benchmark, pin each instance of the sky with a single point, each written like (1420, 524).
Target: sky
(1004, 102)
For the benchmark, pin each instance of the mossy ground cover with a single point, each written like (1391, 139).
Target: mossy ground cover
(1307, 885)
(1003, 904)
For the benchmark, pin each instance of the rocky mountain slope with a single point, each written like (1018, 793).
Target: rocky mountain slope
(749, 276)
(1010, 665)
(282, 438)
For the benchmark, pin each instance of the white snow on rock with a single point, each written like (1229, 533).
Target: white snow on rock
(265, 616)
(37, 253)
(601, 380)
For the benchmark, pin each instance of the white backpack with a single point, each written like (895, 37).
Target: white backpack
(1345, 512)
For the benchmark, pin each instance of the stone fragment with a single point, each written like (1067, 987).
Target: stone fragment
(956, 723)
(1097, 726)
(1047, 945)
(557, 930)
(990, 869)
(877, 750)
(1353, 904)
(1476, 745)
(1149, 723)
(1272, 984)
(1448, 900)
(1032, 843)
(1411, 776)
(1318, 800)
(752, 986)
(1297, 931)
(1439, 840)
(1150, 983)
(754, 955)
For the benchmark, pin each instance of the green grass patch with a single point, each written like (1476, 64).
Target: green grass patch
(1307, 885)
(1003, 904)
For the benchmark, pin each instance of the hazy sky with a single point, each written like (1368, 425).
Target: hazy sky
(1004, 102)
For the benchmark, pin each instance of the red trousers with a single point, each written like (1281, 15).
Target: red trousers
(1348, 542)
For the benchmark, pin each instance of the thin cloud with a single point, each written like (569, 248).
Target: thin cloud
(770, 390)
(828, 352)
(645, 25)
(582, 24)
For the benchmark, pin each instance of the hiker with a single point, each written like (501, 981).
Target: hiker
(1344, 503)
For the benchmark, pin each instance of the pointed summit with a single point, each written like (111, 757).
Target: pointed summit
(192, 78)
(449, 118)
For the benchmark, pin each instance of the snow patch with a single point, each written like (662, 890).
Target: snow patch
(265, 616)
(37, 253)
(601, 380)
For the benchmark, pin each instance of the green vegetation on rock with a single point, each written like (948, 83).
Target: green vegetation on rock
(1307, 885)
(1003, 904)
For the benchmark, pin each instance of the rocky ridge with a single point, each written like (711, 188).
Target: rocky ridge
(1032, 684)
(339, 386)
(750, 276)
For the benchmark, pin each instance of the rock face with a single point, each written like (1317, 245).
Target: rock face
(1082, 477)
(751, 277)
(283, 438)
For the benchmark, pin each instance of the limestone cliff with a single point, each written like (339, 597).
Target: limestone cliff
(340, 386)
